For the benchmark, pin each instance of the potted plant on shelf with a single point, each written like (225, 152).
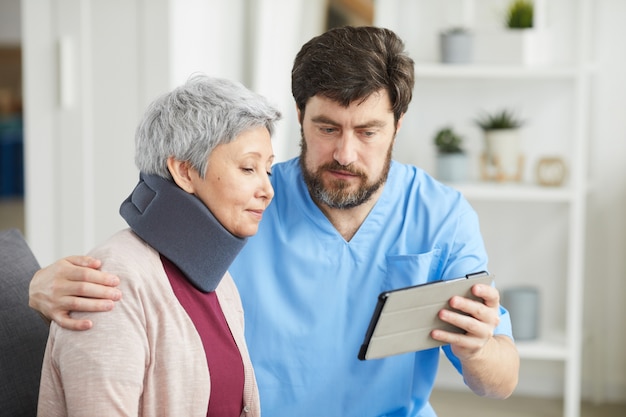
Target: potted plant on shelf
(529, 42)
(451, 158)
(522, 39)
(503, 159)
(520, 14)
(456, 45)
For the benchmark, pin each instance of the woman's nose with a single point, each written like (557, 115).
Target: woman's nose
(266, 189)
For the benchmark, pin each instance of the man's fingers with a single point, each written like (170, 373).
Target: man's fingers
(89, 274)
(475, 309)
(76, 289)
(81, 260)
(73, 284)
(489, 294)
(69, 323)
(457, 339)
(71, 303)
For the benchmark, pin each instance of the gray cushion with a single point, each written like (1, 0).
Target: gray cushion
(23, 333)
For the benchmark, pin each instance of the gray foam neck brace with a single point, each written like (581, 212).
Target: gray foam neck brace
(180, 227)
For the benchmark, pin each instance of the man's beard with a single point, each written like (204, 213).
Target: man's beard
(337, 195)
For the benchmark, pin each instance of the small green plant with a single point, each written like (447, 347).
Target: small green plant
(447, 141)
(520, 14)
(503, 119)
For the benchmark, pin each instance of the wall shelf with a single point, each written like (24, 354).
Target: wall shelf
(554, 98)
(435, 70)
(514, 192)
(552, 349)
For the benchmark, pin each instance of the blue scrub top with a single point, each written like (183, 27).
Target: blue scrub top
(308, 295)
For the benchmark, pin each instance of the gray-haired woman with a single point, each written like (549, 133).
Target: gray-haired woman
(174, 345)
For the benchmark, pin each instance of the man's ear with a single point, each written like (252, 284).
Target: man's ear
(399, 124)
(181, 172)
(299, 114)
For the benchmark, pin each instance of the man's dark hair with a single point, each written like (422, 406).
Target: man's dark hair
(347, 64)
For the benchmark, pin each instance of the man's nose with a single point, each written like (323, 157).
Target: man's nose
(346, 149)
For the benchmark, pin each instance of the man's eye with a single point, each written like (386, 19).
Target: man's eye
(369, 135)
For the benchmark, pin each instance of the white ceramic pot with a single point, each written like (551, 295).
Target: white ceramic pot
(503, 148)
(529, 47)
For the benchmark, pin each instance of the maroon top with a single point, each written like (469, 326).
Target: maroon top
(222, 353)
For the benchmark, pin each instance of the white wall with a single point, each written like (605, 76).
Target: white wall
(245, 40)
(605, 362)
(89, 68)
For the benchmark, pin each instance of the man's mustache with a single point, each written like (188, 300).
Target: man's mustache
(336, 166)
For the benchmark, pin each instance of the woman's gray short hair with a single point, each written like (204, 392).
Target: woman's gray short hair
(190, 121)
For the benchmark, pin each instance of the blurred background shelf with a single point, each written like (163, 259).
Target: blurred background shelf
(535, 235)
(516, 192)
(436, 70)
(552, 349)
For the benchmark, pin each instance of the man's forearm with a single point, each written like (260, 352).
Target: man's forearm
(494, 373)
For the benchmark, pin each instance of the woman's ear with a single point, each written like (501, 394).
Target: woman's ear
(181, 172)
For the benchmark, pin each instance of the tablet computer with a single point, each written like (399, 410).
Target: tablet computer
(403, 318)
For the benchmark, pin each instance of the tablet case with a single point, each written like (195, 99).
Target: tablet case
(404, 318)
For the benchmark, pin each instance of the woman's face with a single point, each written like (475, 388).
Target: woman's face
(237, 186)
